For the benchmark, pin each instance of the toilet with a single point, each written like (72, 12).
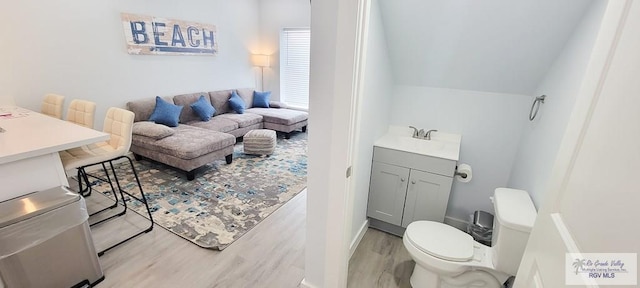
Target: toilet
(449, 258)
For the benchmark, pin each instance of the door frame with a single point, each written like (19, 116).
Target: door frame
(549, 216)
(337, 37)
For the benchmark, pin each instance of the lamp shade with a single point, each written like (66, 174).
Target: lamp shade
(260, 60)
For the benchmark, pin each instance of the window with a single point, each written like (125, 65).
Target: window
(295, 44)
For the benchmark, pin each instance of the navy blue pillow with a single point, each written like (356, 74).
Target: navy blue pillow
(261, 99)
(165, 113)
(236, 103)
(203, 109)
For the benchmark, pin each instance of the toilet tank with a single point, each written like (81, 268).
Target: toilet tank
(515, 215)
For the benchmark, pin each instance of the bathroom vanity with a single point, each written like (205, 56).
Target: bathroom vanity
(410, 179)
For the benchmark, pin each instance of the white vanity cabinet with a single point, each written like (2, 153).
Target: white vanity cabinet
(407, 187)
(387, 192)
(427, 197)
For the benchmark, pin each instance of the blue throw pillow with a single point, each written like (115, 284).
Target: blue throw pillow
(261, 99)
(165, 113)
(236, 103)
(203, 108)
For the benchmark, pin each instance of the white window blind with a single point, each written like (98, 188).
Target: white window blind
(294, 66)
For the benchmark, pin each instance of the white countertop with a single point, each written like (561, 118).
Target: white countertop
(441, 145)
(29, 134)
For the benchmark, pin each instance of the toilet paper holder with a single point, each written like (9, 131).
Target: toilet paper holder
(461, 174)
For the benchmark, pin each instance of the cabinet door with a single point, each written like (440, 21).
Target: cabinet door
(427, 197)
(387, 192)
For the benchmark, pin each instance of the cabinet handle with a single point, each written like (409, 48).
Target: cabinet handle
(401, 179)
(413, 182)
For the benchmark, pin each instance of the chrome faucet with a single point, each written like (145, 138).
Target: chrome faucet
(415, 131)
(421, 134)
(428, 135)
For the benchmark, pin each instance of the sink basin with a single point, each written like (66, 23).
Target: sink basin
(410, 143)
(441, 145)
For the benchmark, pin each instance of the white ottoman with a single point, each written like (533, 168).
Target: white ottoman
(260, 142)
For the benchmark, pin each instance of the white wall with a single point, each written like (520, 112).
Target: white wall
(541, 138)
(275, 15)
(77, 48)
(333, 31)
(500, 46)
(594, 180)
(374, 113)
(490, 125)
(6, 77)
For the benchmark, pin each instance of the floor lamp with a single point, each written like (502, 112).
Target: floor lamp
(260, 60)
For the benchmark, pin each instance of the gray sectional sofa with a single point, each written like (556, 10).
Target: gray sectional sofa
(194, 143)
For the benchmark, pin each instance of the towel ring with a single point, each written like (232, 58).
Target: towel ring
(536, 104)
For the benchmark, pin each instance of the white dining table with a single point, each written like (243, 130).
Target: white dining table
(29, 146)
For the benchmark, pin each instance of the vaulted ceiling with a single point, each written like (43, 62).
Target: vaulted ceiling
(502, 46)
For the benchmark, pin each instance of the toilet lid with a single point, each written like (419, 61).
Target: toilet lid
(440, 240)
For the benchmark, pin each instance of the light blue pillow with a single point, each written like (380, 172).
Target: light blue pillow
(203, 108)
(236, 103)
(165, 113)
(261, 99)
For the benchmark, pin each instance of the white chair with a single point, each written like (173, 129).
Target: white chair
(81, 112)
(118, 123)
(52, 105)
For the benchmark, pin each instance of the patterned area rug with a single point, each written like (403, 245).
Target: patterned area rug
(224, 201)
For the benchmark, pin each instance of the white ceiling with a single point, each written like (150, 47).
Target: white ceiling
(502, 46)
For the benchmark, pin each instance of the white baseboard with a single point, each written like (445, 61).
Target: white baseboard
(352, 248)
(356, 240)
(457, 223)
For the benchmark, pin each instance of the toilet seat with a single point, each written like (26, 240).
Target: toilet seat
(440, 240)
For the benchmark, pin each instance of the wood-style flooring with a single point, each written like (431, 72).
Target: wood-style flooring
(380, 261)
(269, 255)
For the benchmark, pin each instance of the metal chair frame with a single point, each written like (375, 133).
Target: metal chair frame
(84, 176)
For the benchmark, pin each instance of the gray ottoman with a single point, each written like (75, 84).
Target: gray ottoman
(260, 142)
